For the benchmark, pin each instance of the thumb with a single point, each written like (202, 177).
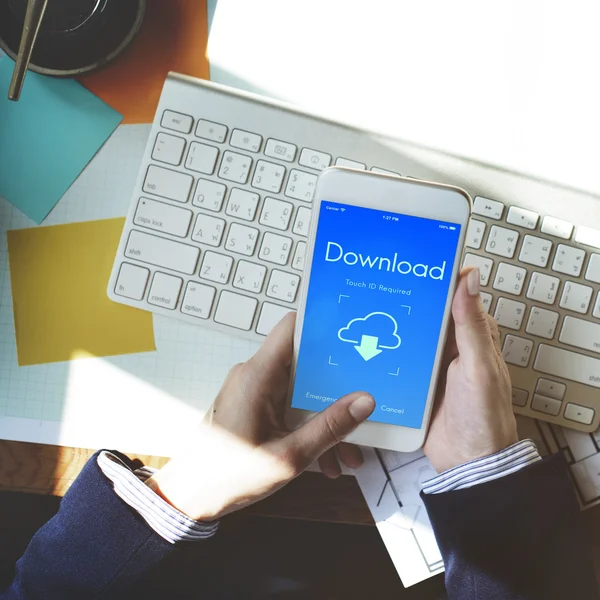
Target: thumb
(471, 327)
(328, 428)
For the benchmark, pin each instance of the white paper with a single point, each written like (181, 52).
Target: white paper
(391, 483)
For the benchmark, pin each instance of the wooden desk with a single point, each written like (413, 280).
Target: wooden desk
(43, 469)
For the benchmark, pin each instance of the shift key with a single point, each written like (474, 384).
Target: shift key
(569, 365)
(161, 252)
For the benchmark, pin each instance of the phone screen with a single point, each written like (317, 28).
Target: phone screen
(375, 304)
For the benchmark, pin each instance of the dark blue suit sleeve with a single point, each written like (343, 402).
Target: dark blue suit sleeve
(96, 546)
(515, 538)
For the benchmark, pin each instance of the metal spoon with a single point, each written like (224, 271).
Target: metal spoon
(33, 20)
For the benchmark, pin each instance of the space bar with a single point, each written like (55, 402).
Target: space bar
(570, 365)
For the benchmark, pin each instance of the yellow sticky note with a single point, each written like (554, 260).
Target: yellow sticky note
(58, 276)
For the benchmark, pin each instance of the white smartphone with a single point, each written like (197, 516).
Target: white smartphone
(381, 267)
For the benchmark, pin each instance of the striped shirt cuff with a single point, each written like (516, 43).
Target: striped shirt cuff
(171, 524)
(482, 470)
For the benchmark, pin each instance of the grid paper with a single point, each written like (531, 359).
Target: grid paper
(190, 362)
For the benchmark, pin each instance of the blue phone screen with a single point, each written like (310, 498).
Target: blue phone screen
(376, 298)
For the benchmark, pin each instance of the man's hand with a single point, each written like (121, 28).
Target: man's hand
(473, 415)
(244, 452)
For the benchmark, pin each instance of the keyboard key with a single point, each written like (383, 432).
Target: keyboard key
(486, 300)
(522, 217)
(168, 184)
(517, 350)
(201, 158)
(502, 241)
(270, 315)
(302, 221)
(385, 172)
(580, 333)
(509, 278)
(351, 164)
(281, 150)
(176, 121)
(475, 232)
(242, 239)
(276, 213)
(244, 140)
(596, 312)
(551, 389)
(509, 313)
(211, 131)
(235, 167)
(275, 248)
(485, 266)
(249, 276)
(168, 148)
(242, 204)
(198, 300)
(132, 281)
(576, 297)
(568, 260)
(542, 322)
(268, 176)
(164, 217)
(314, 159)
(301, 185)
(592, 272)
(209, 195)
(283, 285)
(519, 397)
(165, 290)
(488, 208)
(535, 251)
(543, 288)
(579, 414)
(216, 267)
(208, 230)
(162, 252)
(543, 404)
(557, 227)
(236, 310)
(299, 256)
(568, 365)
(588, 236)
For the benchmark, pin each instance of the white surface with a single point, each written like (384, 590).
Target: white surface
(512, 83)
(391, 482)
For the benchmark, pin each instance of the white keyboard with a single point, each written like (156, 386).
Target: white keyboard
(216, 236)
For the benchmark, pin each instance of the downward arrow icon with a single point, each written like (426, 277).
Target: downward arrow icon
(368, 347)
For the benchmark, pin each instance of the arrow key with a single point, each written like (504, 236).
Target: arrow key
(579, 414)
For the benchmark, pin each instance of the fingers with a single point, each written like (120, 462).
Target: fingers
(326, 429)
(330, 467)
(495, 332)
(471, 325)
(278, 347)
(350, 455)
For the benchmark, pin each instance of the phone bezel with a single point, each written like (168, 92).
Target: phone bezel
(384, 192)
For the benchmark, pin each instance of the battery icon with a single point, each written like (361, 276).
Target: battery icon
(452, 228)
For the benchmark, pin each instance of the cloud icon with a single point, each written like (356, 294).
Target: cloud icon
(377, 324)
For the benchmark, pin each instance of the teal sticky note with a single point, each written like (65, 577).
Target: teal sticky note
(47, 138)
